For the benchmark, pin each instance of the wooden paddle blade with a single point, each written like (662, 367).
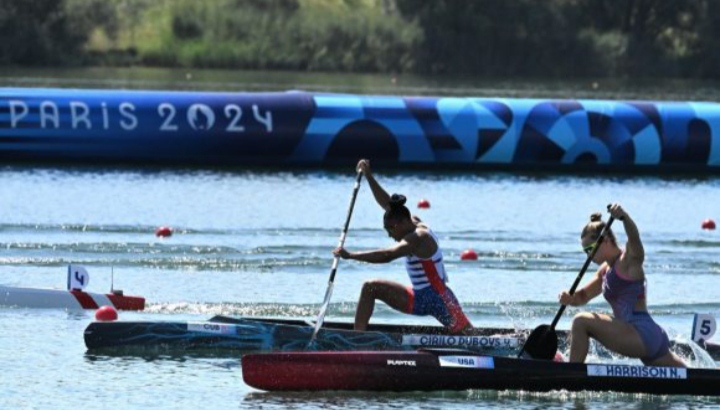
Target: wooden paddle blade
(542, 343)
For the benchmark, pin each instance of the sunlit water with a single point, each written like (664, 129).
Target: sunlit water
(259, 243)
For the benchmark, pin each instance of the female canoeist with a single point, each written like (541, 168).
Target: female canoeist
(429, 294)
(621, 280)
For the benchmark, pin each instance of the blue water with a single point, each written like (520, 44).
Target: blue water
(259, 243)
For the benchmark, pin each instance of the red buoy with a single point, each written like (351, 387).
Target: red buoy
(708, 224)
(163, 231)
(424, 204)
(468, 255)
(106, 313)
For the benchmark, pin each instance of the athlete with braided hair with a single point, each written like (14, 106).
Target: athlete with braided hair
(429, 294)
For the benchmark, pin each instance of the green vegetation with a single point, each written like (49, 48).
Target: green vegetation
(488, 38)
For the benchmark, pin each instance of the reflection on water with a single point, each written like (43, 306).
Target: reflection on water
(480, 399)
(382, 84)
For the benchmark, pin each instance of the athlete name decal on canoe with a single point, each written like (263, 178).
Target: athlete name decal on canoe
(392, 362)
(651, 372)
(205, 327)
(464, 341)
(480, 362)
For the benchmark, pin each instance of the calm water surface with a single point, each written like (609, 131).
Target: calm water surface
(259, 242)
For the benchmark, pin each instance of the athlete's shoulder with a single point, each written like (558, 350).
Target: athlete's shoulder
(422, 229)
(603, 269)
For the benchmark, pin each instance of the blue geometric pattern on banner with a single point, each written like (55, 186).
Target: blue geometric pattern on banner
(322, 129)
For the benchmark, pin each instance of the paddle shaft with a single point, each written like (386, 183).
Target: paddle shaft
(582, 271)
(343, 235)
(542, 342)
(336, 260)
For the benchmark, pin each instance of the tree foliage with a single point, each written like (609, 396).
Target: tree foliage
(548, 38)
(36, 31)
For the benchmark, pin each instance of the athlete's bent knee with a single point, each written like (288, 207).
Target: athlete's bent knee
(582, 321)
(370, 288)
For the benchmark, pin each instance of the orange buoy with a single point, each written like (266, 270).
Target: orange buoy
(424, 204)
(163, 231)
(106, 313)
(708, 224)
(468, 255)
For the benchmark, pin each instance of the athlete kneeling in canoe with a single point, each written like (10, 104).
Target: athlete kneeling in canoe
(429, 294)
(631, 331)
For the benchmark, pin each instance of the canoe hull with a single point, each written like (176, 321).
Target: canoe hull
(430, 371)
(223, 335)
(231, 335)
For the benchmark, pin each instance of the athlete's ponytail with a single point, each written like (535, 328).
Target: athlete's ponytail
(595, 227)
(397, 210)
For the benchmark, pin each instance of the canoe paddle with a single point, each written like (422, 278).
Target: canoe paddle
(543, 341)
(343, 235)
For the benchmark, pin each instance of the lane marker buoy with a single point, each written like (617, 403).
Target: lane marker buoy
(106, 313)
(163, 232)
(468, 255)
(708, 224)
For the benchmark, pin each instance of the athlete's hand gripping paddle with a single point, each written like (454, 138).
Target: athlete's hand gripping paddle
(328, 292)
(543, 341)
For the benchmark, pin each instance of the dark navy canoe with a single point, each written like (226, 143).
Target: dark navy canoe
(223, 335)
(226, 334)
